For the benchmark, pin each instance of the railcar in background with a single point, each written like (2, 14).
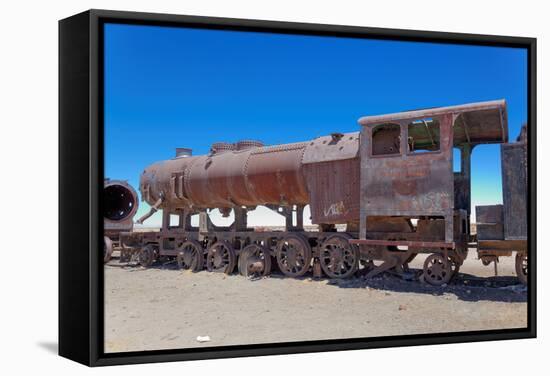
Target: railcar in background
(502, 229)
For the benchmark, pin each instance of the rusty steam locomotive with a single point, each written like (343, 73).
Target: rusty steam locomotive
(379, 197)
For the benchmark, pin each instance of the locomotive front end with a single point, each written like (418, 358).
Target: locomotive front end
(120, 204)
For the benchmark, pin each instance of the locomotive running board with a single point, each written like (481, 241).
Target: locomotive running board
(405, 243)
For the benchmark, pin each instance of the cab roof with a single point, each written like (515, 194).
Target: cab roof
(476, 123)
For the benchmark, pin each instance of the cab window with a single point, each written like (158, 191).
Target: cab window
(386, 139)
(423, 136)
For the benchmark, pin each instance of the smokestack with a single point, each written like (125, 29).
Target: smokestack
(183, 152)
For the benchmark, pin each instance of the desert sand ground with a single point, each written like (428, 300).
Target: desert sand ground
(165, 308)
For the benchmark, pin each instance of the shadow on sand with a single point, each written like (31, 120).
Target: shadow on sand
(465, 287)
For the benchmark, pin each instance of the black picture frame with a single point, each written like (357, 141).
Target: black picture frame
(81, 181)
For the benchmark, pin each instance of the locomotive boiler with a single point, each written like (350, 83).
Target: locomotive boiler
(246, 174)
(378, 197)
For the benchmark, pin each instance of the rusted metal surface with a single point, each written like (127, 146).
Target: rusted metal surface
(335, 147)
(462, 180)
(334, 191)
(398, 180)
(483, 122)
(489, 214)
(274, 175)
(406, 184)
(221, 258)
(190, 255)
(514, 189)
(120, 205)
(247, 175)
(489, 222)
(338, 257)
(502, 229)
(331, 168)
(294, 255)
(255, 261)
(323, 173)
(462, 192)
(219, 147)
(437, 269)
(404, 243)
(384, 224)
(248, 144)
(502, 245)
(484, 254)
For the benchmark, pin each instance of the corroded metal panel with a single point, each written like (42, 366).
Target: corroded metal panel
(221, 173)
(408, 184)
(274, 175)
(334, 191)
(462, 191)
(237, 180)
(197, 182)
(489, 222)
(406, 243)
(335, 147)
(514, 189)
(489, 214)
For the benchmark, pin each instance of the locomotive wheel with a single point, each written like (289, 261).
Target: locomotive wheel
(293, 255)
(521, 267)
(338, 258)
(107, 249)
(190, 256)
(146, 256)
(437, 270)
(221, 258)
(254, 261)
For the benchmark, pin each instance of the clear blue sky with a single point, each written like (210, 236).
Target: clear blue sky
(177, 87)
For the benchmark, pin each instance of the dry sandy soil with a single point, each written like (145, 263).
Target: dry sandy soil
(165, 308)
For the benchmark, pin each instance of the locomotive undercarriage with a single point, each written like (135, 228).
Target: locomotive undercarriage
(255, 254)
(293, 250)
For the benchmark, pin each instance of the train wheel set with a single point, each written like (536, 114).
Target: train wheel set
(294, 258)
(293, 255)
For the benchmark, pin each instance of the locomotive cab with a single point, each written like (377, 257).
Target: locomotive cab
(411, 201)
